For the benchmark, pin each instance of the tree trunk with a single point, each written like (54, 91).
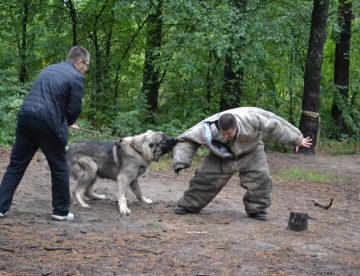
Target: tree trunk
(233, 73)
(233, 78)
(108, 44)
(99, 100)
(342, 64)
(309, 123)
(73, 15)
(291, 91)
(211, 71)
(23, 72)
(124, 54)
(151, 75)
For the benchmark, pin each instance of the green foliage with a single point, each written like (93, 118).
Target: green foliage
(11, 97)
(7, 133)
(350, 114)
(275, 146)
(352, 120)
(339, 147)
(173, 128)
(128, 123)
(269, 37)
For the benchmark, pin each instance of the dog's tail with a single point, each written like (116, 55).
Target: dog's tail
(87, 163)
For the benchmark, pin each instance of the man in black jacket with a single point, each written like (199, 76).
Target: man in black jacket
(52, 105)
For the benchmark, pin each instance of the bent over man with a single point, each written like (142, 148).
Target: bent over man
(233, 138)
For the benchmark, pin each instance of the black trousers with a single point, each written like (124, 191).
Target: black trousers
(32, 134)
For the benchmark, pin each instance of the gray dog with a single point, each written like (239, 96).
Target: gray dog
(123, 160)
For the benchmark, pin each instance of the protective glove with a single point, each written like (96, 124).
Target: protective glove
(178, 167)
(178, 170)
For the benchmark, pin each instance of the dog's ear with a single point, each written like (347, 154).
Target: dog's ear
(136, 143)
(120, 140)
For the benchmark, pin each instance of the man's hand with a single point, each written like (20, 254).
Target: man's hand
(306, 143)
(74, 126)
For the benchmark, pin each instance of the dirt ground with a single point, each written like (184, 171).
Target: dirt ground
(221, 240)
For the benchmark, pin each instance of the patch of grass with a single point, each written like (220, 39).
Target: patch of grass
(165, 164)
(154, 224)
(296, 174)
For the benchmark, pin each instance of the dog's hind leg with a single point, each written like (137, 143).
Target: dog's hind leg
(78, 195)
(90, 191)
(86, 178)
(135, 188)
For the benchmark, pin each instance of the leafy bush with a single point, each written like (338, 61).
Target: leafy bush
(129, 123)
(335, 147)
(353, 123)
(7, 122)
(173, 128)
(11, 96)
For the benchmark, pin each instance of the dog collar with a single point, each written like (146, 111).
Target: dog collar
(135, 149)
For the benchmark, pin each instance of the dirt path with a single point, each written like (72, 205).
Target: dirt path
(221, 240)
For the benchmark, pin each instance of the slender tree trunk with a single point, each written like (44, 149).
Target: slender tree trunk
(209, 80)
(23, 72)
(230, 98)
(98, 69)
(233, 75)
(210, 75)
(109, 36)
(151, 75)
(291, 92)
(108, 43)
(98, 100)
(342, 64)
(73, 15)
(124, 55)
(309, 123)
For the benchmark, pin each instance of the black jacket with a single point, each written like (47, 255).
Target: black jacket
(56, 98)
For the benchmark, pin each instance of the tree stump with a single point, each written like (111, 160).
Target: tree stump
(298, 222)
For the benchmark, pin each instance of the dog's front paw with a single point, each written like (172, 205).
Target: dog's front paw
(124, 210)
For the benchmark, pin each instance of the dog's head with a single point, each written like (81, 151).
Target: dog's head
(153, 144)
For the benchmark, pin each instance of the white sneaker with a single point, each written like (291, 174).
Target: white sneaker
(2, 215)
(69, 216)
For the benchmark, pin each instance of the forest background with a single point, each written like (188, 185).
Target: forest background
(166, 65)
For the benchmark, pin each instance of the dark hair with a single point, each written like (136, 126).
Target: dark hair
(227, 121)
(76, 53)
